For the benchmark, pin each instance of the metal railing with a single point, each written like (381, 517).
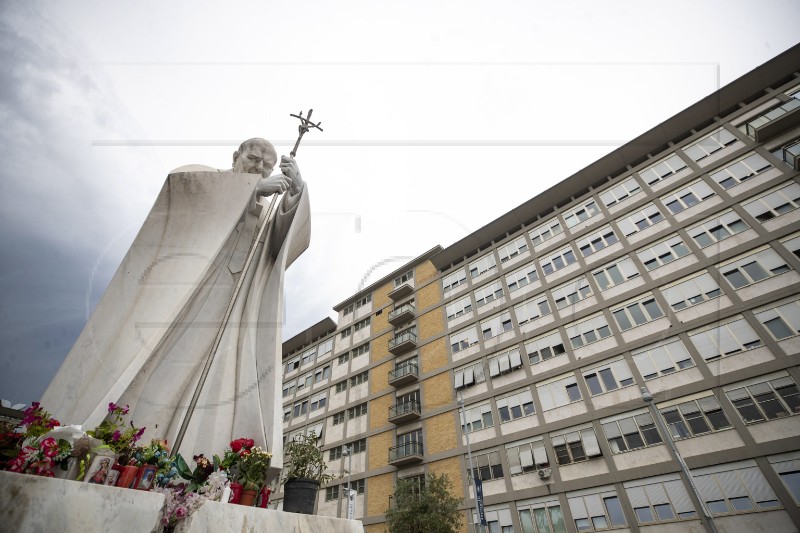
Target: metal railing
(403, 337)
(404, 370)
(410, 449)
(411, 406)
(402, 309)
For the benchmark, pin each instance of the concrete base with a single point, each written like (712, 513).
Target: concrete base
(39, 504)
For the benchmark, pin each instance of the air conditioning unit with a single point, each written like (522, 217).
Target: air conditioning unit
(545, 473)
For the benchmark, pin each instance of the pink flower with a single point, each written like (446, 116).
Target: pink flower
(181, 512)
(49, 447)
(125, 409)
(17, 464)
(115, 437)
(111, 407)
(138, 434)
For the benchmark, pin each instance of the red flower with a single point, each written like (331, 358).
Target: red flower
(249, 443)
(49, 447)
(17, 464)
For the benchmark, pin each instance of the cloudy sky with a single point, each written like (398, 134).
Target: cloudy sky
(438, 117)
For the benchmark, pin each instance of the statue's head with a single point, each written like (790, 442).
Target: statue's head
(255, 156)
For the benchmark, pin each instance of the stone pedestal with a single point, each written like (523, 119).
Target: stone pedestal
(38, 504)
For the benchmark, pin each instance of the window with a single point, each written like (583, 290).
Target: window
(482, 265)
(496, 325)
(782, 321)
(558, 260)
(363, 301)
(710, 144)
(663, 253)
(544, 517)
(695, 417)
(464, 339)
(488, 293)
(335, 453)
(358, 379)
(288, 388)
(458, 308)
(358, 410)
(332, 493)
(730, 338)
(740, 171)
(754, 268)
(292, 364)
(305, 381)
(596, 511)
(768, 399)
(516, 405)
(571, 292)
(512, 249)
(361, 324)
(338, 418)
(359, 486)
(735, 488)
(487, 466)
(615, 273)
(577, 215)
(504, 362)
(532, 309)
(636, 313)
(607, 377)
(346, 332)
(620, 192)
(359, 446)
(575, 446)
(789, 153)
(545, 232)
(769, 115)
(498, 520)
(545, 347)
(360, 350)
(287, 414)
(687, 197)
(318, 401)
(625, 433)
(476, 417)
(640, 220)
(526, 456)
(408, 276)
(347, 310)
(588, 331)
(793, 245)
(663, 169)
(692, 291)
(341, 386)
(322, 373)
(783, 199)
(522, 277)
(300, 408)
(469, 375)
(308, 357)
(345, 357)
(660, 499)
(662, 358)
(788, 468)
(597, 241)
(718, 228)
(559, 391)
(451, 281)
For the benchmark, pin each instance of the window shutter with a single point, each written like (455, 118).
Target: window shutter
(505, 366)
(656, 493)
(757, 484)
(644, 364)
(469, 376)
(590, 445)
(516, 360)
(525, 456)
(577, 508)
(707, 486)
(494, 367)
(540, 455)
(459, 379)
(505, 517)
(637, 497)
(594, 505)
(679, 496)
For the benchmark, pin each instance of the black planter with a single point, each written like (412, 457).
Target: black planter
(300, 495)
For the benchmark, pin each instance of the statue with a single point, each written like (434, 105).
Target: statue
(198, 298)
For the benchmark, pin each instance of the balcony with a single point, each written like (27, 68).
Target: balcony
(402, 343)
(401, 291)
(403, 375)
(405, 454)
(404, 412)
(402, 314)
(776, 120)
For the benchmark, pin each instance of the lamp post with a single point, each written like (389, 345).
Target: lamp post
(469, 455)
(708, 520)
(348, 452)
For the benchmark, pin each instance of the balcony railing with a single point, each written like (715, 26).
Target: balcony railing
(405, 454)
(403, 343)
(402, 314)
(405, 411)
(404, 374)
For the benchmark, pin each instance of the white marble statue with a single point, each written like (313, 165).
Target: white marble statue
(146, 342)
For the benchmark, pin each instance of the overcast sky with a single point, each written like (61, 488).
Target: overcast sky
(438, 117)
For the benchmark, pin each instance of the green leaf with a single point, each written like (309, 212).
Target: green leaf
(183, 468)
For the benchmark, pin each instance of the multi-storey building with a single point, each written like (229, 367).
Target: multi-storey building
(670, 264)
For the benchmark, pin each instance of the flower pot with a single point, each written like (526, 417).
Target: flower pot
(248, 497)
(236, 492)
(127, 476)
(300, 495)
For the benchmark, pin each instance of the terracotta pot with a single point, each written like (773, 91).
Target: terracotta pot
(248, 497)
(236, 492)
(127, 477)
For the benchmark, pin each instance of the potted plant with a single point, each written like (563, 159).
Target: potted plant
(305, 473)
(253, 467)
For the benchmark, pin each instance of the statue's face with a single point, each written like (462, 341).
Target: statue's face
(256, 158)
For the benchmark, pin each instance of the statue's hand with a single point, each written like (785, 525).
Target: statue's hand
(290, 170)
(272, 185)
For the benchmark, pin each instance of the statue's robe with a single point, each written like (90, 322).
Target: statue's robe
(147, 341)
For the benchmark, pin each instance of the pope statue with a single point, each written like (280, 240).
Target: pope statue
(149, 338)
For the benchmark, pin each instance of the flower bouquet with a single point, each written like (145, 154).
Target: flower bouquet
(113, 433)
(157, 454)
(36, 455)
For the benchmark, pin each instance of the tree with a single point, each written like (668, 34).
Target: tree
(426, 507)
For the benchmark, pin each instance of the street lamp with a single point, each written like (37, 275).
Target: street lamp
(708, 520)
(348, 452)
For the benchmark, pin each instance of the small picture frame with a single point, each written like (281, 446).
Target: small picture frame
(146, 477)
(99, 470)
(112, 478)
